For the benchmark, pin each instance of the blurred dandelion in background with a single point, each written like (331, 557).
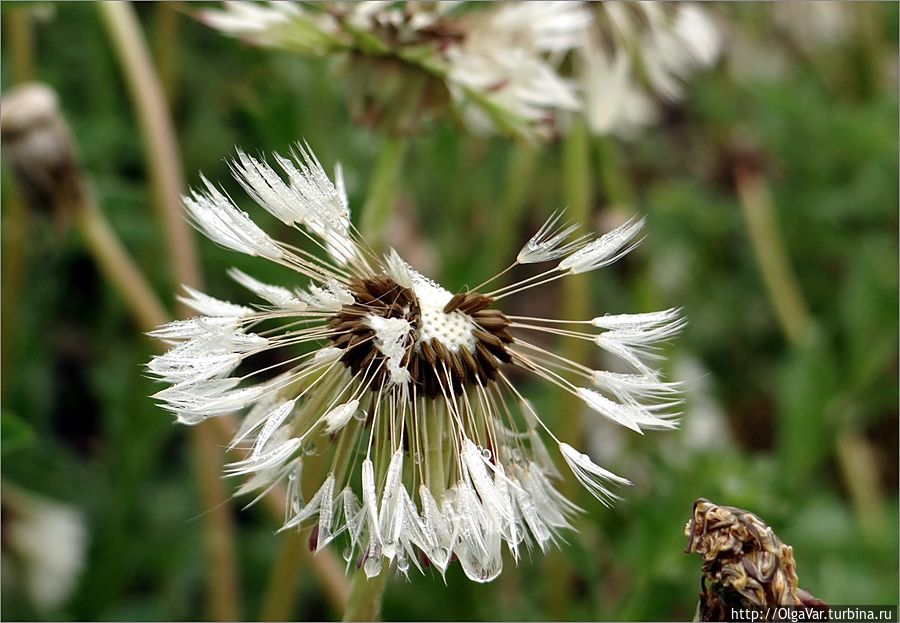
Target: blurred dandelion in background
(405, 383)
(44, 543)
(502, 64)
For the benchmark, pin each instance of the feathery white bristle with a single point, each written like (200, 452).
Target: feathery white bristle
(276, 295)
(550, 242)
(210, 306)
(620, 414)
(328, 298)
(217, 216)
(590, 475)
(605, 250)
(272, 422)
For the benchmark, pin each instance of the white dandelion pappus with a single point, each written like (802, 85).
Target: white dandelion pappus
(637, 53)
(435, 454)
(499, 61)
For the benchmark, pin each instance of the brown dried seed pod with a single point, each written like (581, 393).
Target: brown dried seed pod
(455, 302)
(745, 565)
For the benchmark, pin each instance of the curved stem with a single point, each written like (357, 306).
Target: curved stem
(158, 133)
(223, 602)
(121, 271)
(771, 254)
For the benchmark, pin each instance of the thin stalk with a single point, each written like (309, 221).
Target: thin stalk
(149, 313)
(576, 288)
(854, 452)
(12, 274)
(771, 254)
(21, 44)
(576, 300)
(119, 269)
(16, 219)
(860, 472)
(616, 184)
(329, 570)
(148, 98)
(281, 594)
(166, 24)
(365, 597)
(158, 134)
(376, 211)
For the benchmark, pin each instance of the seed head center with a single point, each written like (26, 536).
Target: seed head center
(422, 336)
(453, 330)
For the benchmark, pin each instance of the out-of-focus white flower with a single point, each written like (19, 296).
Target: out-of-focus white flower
(435, 453)
(707, 425)
(509, 57)
(637, 52)
(498, 61)
(44, 544)
(504, 63)
(814, 25)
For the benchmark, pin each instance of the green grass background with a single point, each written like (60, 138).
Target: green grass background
(825, 131)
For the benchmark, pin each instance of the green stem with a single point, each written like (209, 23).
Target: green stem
(158, 133)
(365, 597)
(119, 269)
(281, 594)
(166, 45)
(860, 470)
(576, 300)
(854, 452)
(12, 277)
(376, 211)
(771, 254)
(21, 41)
(16, 217)
(434, 451)
(615, 182)
(576, 288)
(164, 159)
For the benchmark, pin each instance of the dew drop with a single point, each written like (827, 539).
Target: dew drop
(372, 566)
(486, 454)
(347, 554)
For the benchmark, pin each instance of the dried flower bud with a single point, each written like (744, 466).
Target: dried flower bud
(38, 145)
(745, 565)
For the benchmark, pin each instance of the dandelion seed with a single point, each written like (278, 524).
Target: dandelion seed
(436, 455)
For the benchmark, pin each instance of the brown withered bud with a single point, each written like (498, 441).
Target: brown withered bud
(38, 146)
(745, 564)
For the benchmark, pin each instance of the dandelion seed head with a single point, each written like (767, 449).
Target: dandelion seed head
(435, 453)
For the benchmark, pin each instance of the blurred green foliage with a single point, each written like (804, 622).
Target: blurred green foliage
(78, 426)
